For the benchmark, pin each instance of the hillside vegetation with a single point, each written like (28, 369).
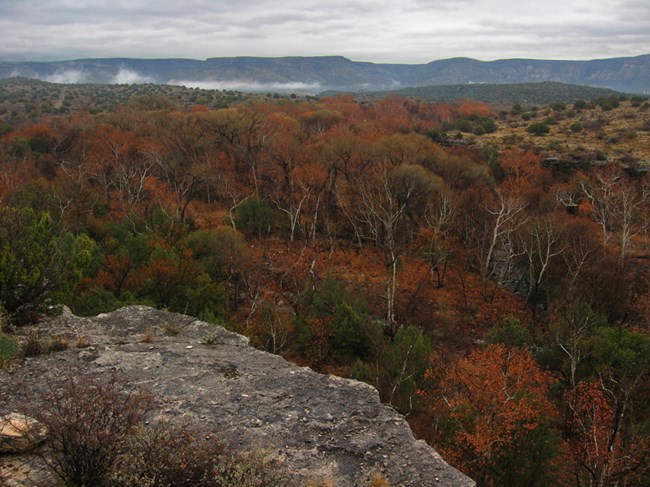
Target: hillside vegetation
(24, 100)
(440, 252)
(498, 94)
(612, 130)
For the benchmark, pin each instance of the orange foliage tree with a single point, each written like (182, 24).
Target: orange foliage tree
(494, 416)
(601, 453)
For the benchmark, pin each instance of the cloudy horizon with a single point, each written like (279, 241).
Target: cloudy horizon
(381, 31)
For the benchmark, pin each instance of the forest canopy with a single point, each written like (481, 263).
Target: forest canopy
(494, 295)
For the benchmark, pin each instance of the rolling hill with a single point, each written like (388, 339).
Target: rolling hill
(541, 93)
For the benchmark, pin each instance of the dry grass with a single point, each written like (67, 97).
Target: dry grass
(379, 481)
(32, 345)
(622, 133)
(148, 336)
(172, 328)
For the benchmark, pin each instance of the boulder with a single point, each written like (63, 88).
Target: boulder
(20, 433)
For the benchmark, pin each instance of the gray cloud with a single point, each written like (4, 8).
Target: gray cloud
(366, 30)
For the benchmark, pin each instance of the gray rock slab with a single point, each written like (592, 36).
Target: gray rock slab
(319, 426)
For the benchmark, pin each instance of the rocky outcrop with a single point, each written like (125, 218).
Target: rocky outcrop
(319, 427)
(20, 433)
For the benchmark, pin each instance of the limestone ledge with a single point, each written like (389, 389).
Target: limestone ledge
(321, 427)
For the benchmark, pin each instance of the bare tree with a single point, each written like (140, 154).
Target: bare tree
(615, 206)
(491, 233)
(540, 243)
(379, 214)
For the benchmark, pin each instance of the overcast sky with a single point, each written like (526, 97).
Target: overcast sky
(404, 31)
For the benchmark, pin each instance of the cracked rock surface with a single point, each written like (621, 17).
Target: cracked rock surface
(319, 426)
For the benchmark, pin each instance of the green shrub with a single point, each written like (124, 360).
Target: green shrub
(255, 217)
(40, 263)
(487, 124)
(8, 347)
(538, 128)
(464, 125)
(437, 136)
(345, 320)
(510, 333)
(397, 367)
(204, 297)
(478, 129)
(212, 338)
(95, 300)
(576, 127)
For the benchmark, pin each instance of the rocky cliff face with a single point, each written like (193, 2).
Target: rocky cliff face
(320, 427)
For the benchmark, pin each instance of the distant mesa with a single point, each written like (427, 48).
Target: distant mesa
(317, 74)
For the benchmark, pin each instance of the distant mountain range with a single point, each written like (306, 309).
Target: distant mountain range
(318, 74)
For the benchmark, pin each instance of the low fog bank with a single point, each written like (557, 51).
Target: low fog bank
(251, 86)
(73, 76)
(129, 76)
(123, 76)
